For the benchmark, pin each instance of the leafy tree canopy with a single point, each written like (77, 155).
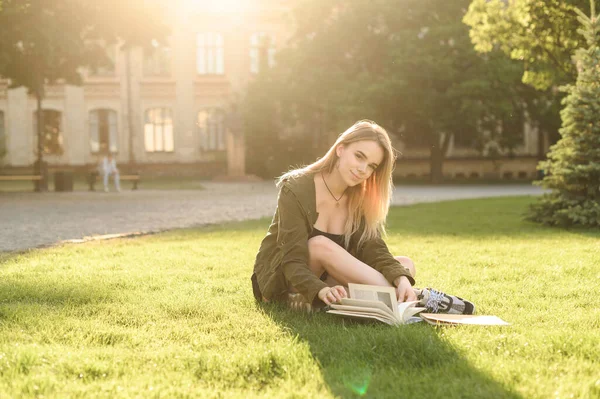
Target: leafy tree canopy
(541, 34)
(408, 64)
(48, 40)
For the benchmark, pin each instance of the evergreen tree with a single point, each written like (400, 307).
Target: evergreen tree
(572, 169)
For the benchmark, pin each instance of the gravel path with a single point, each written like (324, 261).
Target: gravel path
(29, 220)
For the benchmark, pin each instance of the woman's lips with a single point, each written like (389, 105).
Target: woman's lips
(354, 175)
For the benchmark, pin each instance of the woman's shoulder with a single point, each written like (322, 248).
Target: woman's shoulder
(297, 181)
(301, 188)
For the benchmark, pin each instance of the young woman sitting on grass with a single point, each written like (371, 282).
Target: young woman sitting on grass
(328, 226)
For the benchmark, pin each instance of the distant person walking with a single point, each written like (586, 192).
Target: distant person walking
(108, 166)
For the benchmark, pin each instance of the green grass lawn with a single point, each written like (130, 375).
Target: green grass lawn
(172, 315)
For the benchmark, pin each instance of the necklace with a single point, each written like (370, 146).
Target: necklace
(337, 200)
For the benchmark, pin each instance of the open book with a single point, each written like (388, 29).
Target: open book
(372, 302)
(376, 303)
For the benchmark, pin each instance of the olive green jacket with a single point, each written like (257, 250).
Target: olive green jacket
(282, 260)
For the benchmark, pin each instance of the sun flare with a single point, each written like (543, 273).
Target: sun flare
(219, 6)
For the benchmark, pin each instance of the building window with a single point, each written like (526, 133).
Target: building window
(158, 130)
(103, 131)
(262, 52)
(52, 137)
(210, 54)
(108, 70)
(157, 60)
(211, 129)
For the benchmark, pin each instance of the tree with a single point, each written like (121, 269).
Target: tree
(45, 42)
(443, 88)
(408, 64)
(572, 170)
(269, 153)
(540, 34)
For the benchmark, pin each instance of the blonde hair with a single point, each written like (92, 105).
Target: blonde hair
(370, 199)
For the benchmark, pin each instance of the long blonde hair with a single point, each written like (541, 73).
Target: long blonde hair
(370, 199)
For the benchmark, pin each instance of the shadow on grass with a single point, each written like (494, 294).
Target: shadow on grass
(375, 360)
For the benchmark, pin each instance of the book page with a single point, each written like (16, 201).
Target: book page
(408, 309)
(362, 316)
(387, 295)
(446, 319)
(360, 310)
(368, 305)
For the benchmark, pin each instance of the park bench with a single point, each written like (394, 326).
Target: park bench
(20, 177)
(93, 177)
(32, 178)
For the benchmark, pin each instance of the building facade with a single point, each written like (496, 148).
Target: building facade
(178, 95)
(169, 105)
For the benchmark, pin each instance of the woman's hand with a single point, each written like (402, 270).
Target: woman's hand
(333, 294)
(404, 291)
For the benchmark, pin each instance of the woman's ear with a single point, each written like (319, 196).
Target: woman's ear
(339, 150)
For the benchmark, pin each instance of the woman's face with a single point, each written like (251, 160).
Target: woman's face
(359, 160)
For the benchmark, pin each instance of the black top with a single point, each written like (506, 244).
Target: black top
(337, 238)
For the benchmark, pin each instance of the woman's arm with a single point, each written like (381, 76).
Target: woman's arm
(292, 239)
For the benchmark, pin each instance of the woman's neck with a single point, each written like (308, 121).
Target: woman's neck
(335, 183)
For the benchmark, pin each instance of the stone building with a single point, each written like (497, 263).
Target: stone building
(176, 98)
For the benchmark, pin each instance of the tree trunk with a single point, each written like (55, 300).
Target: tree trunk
(129, 105)
(436, 157)
(38, 166)
(40, 123)
(541, 153)
(436, 165)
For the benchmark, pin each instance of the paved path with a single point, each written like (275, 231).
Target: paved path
(29, 220)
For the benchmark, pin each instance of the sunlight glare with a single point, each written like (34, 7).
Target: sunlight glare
(219, 6)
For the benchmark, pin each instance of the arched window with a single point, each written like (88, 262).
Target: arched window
(210, 54)
(211, 128)
(52, 137)
(2, 135)
(103, 131)
(262, 52)
(158, 130)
